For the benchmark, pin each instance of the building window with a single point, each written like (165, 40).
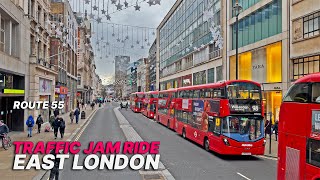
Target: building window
(311, 25)
(219, 73)
(199, 78)
(261, 24)
(305, 66)
(2, 34)
(211, 75)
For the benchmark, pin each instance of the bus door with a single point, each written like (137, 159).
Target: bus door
(214, 129)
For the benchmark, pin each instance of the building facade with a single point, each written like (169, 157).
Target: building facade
(152, 66)
(64, 43)
(14, 62)
(304, 38)
(85, 59)
(189, 44)
(43, 72)
(142, 75)
(121, 66)
(263, 48)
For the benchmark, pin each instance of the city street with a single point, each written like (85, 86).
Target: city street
(184, 159)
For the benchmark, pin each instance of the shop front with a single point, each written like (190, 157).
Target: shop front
(11, 89)
(263, 65)
(45, 89)
(61, 95)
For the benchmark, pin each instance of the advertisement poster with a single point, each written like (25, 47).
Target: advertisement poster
(197, 108)
(185, 104)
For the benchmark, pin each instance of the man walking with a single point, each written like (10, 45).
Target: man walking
(62, 126)
(56, 125)
(77, 113)
(30, 124)
(39, 122)
(54, 173)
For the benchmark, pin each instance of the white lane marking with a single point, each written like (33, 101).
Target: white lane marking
(243, 176)
(266, 157)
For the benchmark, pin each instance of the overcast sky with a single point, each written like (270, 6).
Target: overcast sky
(148, 16)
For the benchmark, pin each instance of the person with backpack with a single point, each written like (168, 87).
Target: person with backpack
(39, 122)
(71, 115)
(30, 124)
(56, 126)
(62, 126)
(77, 113)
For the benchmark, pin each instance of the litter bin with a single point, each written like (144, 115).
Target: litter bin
(83, 115)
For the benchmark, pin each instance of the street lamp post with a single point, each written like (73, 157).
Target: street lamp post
(237, 8)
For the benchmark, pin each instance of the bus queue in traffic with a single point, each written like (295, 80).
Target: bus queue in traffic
(227, 117)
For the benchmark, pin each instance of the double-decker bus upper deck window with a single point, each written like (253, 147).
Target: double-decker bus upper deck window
(298, 93)
(313, 152)
(196, 93)
(243, 90)
(140, 95)
(316, 93)
(154, 95)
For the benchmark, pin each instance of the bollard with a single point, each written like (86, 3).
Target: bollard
(270, 132)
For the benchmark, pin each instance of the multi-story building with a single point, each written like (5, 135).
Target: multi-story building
(65, 43)
(85, 58)
(14, 62)
(263, 48)
(121, 66)
(186, 50)
(304, 38)
(42, 72)
(152, 66)
(131, 83)
(142, 75)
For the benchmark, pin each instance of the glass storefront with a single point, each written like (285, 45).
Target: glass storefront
(263, 65)
(272, 102)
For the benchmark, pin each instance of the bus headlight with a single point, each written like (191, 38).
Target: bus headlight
(226, 142)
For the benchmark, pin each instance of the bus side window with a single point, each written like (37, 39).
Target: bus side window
(316, 92)
(202, 93)
(208, 93)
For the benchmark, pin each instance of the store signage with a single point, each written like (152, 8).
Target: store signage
(63, 90)
(57, 90)
(186, 81)
(316, 121)
(13, 91)
(277, 88)
(258, 66)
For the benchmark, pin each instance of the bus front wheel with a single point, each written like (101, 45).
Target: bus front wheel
(206, 144)
(184, 134)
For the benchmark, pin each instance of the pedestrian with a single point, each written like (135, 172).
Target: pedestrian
(39, 122)
(56, 112)
(62, 126)
(54, 173)
(30, 124)
(51, 120)
(71, 115)
(56, 126)
(82, 104)
(275, 129)
(267, 129)
(77, 113)
(92, 105)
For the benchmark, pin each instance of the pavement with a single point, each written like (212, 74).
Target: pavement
(273, 152)
(7, 156)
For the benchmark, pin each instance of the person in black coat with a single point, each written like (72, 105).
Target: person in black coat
(275, 129)
(56, 112)
(56, 126)
(39, 122)
(54, 173)
(62, 127)
(267, 128)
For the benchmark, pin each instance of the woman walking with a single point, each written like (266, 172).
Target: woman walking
(62, 127)
(71, 115)
(56, 125)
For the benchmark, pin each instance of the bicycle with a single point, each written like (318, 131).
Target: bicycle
(6, 141)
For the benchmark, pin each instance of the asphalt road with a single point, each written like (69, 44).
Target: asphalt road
(186, 160)
(103, 127)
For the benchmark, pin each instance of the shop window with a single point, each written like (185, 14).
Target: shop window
(274, 63)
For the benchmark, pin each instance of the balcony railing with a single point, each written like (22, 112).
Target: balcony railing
(215, 54)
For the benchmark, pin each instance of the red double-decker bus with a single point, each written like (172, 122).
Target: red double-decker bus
(299, 131)
(225, 117)
(165, 108)
(150, 103)
(136, 101)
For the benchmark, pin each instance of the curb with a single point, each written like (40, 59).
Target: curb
(132, 135)
(42, 174)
